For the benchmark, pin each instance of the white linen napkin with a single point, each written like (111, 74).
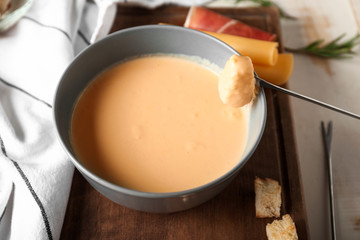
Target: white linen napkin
(33, 56)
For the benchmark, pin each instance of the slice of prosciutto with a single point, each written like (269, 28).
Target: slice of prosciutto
(203, 19)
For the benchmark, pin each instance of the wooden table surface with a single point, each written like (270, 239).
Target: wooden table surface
(231, 214)
(334, 81)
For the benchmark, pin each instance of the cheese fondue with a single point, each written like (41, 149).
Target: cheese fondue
(157, 124)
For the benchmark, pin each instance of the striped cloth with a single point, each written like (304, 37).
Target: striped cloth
(33, 55)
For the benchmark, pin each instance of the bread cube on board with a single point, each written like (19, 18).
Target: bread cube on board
(267, 198)
(282, 229)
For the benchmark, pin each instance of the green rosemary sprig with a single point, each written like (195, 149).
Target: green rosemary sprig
(268, 3)
(333, 49)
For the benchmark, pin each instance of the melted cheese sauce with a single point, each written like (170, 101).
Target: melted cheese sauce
(157, 124)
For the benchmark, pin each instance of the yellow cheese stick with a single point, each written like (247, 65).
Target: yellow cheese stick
(260, 52)
(278, 74)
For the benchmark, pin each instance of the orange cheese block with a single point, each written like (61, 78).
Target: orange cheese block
(261, 52)
(278, 74)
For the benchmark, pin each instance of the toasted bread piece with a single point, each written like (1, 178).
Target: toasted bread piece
(267, 198)
(282, 229)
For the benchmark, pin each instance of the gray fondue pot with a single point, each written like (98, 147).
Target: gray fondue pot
(149, 39)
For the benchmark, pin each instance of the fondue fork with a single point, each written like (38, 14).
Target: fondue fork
(266, 84)
(327, 136)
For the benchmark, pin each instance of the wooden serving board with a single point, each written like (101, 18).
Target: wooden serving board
(231, 214)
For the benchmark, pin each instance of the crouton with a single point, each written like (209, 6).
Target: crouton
(282, 229)
(267, 198)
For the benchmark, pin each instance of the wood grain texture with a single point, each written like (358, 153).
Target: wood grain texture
(334, 82)
(231, 214)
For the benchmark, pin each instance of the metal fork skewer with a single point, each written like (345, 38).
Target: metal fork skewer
(266, 84)
(327, 136)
